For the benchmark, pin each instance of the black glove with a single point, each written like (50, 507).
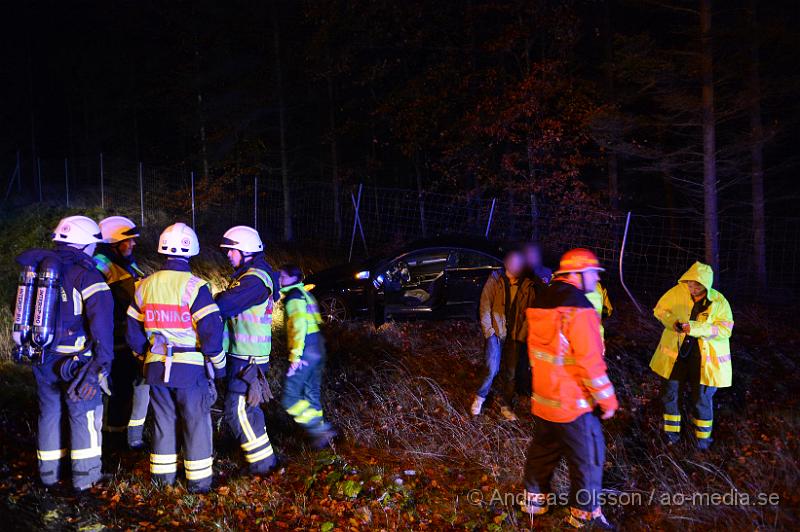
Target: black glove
(257, 386)
(212, 392)
(89, 379)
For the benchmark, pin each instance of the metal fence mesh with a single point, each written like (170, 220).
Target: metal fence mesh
(658, 247)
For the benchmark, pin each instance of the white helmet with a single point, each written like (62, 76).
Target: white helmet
(77, 230)
(243, 238)
(179, 240)
(118, 228)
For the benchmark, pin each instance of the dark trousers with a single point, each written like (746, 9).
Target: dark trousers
(139, 407)
(83, 424)
(124, 371)
(581, 442)
(512, 352)
(182, 413)
(247, 422)
(301, 391)
(686, 372)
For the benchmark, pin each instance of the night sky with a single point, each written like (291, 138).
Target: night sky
(403, 93)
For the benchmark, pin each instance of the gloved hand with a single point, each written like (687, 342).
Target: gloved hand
(258, 390)
(212, 392)
(88, 381)
(295, 367)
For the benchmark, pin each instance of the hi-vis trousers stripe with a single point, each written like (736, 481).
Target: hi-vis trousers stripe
(702, 428)
(198, 469)
(241, 412)
(94, 448)
(672, 422)
(163, 464)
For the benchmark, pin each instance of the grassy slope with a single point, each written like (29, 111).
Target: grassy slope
(411, 454)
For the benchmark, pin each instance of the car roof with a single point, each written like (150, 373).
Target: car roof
(476, 243)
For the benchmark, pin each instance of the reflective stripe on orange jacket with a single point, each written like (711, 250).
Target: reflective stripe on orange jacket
(566, 355)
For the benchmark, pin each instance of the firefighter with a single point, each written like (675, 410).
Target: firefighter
(174, 324)
(72, 369)
(694, 350)
(569, 383)
(127, 406)
(602, 304)
(246, 306)
(301, 392)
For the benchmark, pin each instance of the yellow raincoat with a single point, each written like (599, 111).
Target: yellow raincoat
(712, 329)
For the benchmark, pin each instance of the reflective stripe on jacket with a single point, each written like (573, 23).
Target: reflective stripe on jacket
(566, 355)
(713, 329)
(302, 318)
(250, 332)
(177, 305)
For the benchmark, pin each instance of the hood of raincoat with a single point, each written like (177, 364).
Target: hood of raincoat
(700, 273)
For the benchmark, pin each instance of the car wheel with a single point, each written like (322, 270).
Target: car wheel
(334, 309)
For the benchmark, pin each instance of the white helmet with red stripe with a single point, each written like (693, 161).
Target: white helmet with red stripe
(178, 240)
(77, 230)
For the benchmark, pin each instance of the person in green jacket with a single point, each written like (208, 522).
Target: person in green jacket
(301, 392)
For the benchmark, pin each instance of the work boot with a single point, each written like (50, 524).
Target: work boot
(579, 519)
(508, 414)
(703, 444)
(534, 504)
(671, 438)
(477, 404)
(323, 439)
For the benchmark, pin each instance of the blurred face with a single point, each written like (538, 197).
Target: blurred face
(590, 279)
(285, 279)
(514, 264)
(125, 248)
(235, 257)
(533, 257)
(696, 289)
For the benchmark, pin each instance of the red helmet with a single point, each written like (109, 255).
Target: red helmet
(578, 260)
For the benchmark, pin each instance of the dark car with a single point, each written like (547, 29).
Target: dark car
(439, 278)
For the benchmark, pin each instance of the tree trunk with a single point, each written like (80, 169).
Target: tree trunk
(337, 208)
(288, 232)
(709, 140)
(757, 154)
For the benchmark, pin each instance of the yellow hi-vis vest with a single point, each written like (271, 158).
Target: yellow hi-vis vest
(249, 334)
(165, 301)
(302, 318)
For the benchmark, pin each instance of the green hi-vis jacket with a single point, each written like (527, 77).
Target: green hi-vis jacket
(712, 329)
(302, 318)
(249, 333)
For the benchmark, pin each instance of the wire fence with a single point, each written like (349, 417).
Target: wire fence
(357, 220)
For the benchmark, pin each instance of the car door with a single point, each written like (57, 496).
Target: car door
(416, 282)
(466, 276)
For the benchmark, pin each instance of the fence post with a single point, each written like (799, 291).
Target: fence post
(102, 184)
(141, 192)
(66, 178)
(39, 176)
(14, 176)
(357, 223)
(191, 177)
(491, 215)
(255, 202)
(621, 253)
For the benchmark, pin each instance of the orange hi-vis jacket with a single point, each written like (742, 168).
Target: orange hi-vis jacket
(566, 355)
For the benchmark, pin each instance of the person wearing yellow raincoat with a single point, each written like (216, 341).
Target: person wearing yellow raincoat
(694, 350)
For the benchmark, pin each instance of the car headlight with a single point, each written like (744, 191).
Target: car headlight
(363, 274)
(309, 287)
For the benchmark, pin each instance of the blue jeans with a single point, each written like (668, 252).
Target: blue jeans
(494, 351)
